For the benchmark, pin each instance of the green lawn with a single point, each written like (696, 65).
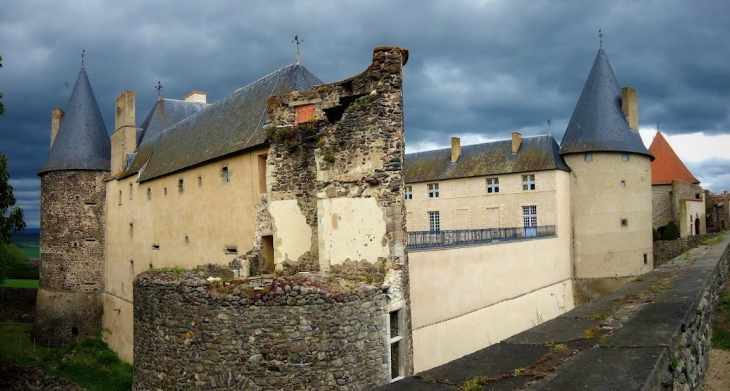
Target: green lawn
(89, 362)
(20, 283)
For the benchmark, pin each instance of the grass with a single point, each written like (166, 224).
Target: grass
(89, 362)
(721, 328)
(20, 284)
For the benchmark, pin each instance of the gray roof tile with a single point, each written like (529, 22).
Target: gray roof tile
(231, 124)
(598, 124)
(536, 153)
(82, 142)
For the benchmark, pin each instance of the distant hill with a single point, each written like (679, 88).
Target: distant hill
(28, 241)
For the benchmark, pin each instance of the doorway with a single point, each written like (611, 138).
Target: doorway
(267, 243)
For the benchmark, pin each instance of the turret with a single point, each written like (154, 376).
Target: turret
(611, 186)
(69, 304)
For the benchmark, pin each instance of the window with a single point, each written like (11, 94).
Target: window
(433, 190)
(131, 268)
(231, 250)
(529, 220)
(492, 185)
(625, 157)
(225, 176)
(395, 324)
(646, 259)
(149, 194)
(165, 192)
(528, 182)
(131, 231)
(434, 222)
(120, 197)
(589, 157)
(180, 186)
(155, 247)
(131, 187)
(305, 113)
(623, 183)
(409, 192)
(200, 181)
(624, 222)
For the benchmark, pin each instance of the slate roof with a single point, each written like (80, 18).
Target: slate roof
(231, 124)
(598, 124)
(164, 114)
(82, 142)
(667, 166)
(536, 153)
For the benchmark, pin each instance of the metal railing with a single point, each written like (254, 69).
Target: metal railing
(466, 237)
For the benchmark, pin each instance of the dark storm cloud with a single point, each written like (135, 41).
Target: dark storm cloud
(485, 67)
(715, 171)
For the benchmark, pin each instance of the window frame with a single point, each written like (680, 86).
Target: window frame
(408, 192)
(433, 190)
(492, 185)
(434, 221)
(529, 180)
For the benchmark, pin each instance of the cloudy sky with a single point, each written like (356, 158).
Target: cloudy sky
(479, 69)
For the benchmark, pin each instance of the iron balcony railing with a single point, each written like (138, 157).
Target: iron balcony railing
(467, 237)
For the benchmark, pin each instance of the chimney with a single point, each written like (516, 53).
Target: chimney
(629, 105)
(124, 138)
(196, 96)
(56, 117)
(516, 142)
(455, 149)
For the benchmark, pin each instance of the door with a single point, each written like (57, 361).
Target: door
(529, 221)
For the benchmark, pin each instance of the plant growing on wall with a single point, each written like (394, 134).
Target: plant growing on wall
(671, 232)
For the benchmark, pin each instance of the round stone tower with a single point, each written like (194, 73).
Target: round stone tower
(610, 186)
(73, 196)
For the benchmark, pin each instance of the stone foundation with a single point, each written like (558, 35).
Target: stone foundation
(665, 250)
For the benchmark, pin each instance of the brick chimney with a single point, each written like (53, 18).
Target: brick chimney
(629, 105)
(196, 96)
(516, 142)
(455, 149)
(56, 117)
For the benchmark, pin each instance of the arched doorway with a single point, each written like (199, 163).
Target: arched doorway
(697, 226)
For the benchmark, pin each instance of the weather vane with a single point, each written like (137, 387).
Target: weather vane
(600, 37)
(158, 87)
(549, 123)
(298, 41)
(83, 54)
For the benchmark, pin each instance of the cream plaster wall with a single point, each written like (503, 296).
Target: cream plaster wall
(212, 216)
(351, 228)
(465, 204)
(602, 247)
(292, 234)
(441, 342)
(690, 210)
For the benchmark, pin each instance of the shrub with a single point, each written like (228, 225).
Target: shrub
(671, 232)
(656, 235)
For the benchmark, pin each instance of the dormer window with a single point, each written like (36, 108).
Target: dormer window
(528, 182)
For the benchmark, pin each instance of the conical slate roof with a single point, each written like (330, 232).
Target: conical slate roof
(598, 124)
(667, 166)
(82, 142)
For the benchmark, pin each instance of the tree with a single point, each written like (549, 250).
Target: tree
(671, 232)
(2, 108)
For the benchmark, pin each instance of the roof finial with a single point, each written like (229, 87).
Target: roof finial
(158, 87)
(600, 37)
(83, 54)
(298, 41)
(657, 126)
(550, 132)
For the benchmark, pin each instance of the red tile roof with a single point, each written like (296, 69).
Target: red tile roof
(667, 166)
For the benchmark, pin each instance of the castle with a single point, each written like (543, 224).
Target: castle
(294, 176)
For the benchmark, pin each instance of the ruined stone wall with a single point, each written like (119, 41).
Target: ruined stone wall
(290, 333)
(665, 250)
(69, 304)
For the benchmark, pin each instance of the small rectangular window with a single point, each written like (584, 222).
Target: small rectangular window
(90, 240)
(225, 175)
(131, 268)
(434, 221)
(625, 157)
(589, 157)
(624, 222)
(623, 183)
(180, 186)
(231, 250)
(90, 203)
(528, 182)
(646, 259)
(395, 325)
(149, 194)
(131, 231)
(492, 185)
(165, 192)
(200, 181)
(120, 197)
(131, 191)
(155, 247)
(433, 190)
(409, 192)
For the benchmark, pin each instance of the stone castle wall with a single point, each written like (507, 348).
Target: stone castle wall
(293, 332)
(661, 205)
(69, 304)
